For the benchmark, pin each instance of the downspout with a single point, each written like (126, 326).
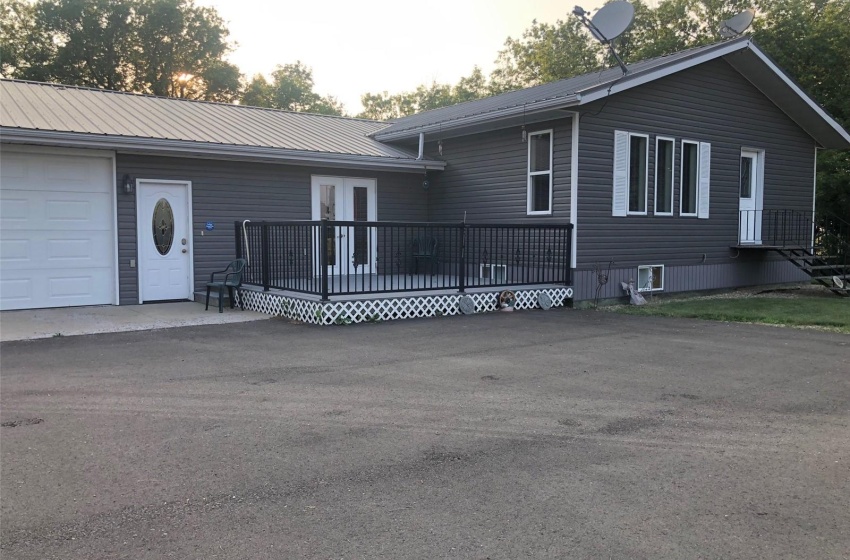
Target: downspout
(421, 146)
(814, 199)
(574, 188)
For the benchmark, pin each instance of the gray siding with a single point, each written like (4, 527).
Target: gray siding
(486, 177)
(223, 192)
(710, 103)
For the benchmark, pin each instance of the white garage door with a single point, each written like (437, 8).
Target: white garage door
(57, 245)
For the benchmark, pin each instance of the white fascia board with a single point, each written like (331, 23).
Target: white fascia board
(194, 149)
(472, 120)
(803, 95)
(625, 83)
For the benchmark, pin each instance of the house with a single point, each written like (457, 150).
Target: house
(694, 171)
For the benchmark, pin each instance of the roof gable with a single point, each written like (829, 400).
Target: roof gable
(572, 93)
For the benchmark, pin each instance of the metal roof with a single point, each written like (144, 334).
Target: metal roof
(57, 110)
(573, 92)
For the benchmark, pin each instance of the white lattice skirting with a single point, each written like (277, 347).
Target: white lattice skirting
(389, 308)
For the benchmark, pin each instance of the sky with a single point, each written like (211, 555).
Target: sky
(379, 45)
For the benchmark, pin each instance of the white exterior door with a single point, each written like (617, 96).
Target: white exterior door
(164, 236)
(750, 197)
(57, 229)
(350, 249)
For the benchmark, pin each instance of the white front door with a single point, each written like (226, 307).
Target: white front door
(350, 249)
(164, 239)
(750, 193)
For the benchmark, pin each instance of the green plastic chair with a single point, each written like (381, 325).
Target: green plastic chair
(232, 280)
(424, 248)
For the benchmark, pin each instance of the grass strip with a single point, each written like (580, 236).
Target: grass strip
(832, 313)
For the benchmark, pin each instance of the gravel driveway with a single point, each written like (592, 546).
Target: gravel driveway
(559, 434)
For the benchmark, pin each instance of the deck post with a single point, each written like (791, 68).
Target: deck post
(568, 258)
(266, 257)
(238, 239)
(323, 257)
(461, 272)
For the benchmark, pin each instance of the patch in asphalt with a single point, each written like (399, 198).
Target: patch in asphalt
(24, 422)
(441, 455)
(263, 382)
(336, 412)
(680, 395)
(629, 425)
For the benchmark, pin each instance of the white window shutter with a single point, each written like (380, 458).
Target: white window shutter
(621, 173)
(704, 179)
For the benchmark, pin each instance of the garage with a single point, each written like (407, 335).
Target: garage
(57, 228)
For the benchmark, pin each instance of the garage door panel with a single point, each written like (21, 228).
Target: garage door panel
(44, 250)
(56, 173)
(23, 290)
(14, 209)
(58, 211)
(15, 293)
(56, 231)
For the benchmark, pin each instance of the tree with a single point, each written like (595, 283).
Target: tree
(26, 49)
(383, 106)
(811, 40)
(291, 88)
(545, 53)
(160, 47)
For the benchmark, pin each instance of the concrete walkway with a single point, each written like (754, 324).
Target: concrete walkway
(68, 321)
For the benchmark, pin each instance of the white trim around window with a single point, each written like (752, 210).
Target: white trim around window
(539, 173)
(696, 176)
(657, 211)
(629, 211)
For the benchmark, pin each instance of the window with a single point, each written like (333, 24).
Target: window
(631, 163)
(664, 164)
(690, 179)
(540, 172)
(638, 164)
(696, 179)
(650, 278)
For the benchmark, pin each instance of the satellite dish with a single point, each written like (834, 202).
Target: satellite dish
(839, 283)
(612, 20)
(736, 25)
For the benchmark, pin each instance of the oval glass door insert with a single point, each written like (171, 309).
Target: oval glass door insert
(163, 226)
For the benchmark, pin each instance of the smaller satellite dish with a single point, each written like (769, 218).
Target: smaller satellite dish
(612, 20)
(838, 282)
(736, 25)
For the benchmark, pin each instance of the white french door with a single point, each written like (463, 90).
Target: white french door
(750, 196)
(350, 249)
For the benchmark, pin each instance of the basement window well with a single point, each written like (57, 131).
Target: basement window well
(650, 278)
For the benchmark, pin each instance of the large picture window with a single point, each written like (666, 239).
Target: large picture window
(638, 164)
(540, 172)
(664, 165)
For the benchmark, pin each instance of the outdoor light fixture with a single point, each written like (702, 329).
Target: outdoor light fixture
(129, 188)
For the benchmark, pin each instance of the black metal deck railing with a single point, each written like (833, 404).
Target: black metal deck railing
(330, 258)
(794, 229)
